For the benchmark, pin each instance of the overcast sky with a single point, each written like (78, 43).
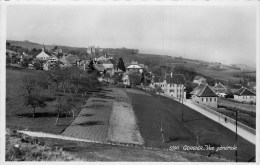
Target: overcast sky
(225, 34)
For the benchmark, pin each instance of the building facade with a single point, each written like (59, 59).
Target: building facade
(204, 95)
(244, 95)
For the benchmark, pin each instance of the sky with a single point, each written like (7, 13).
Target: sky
(225, 34)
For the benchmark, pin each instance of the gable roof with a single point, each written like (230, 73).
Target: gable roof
(244, 92)
(203, 90)
(42, 54)
(197, 77)
(175, 79)
(219, 86)
(107, 62)
(134, 66)
(99, 67)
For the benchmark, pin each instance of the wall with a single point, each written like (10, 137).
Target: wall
(205, 100)
(245, 98)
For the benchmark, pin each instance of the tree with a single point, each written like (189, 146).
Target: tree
(28, 83)
(121, 65)
(91, 67)
(64, 105)
(34, 101)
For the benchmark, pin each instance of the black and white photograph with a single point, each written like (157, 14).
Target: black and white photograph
(130, 82)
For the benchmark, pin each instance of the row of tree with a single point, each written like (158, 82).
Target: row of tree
(68, 80)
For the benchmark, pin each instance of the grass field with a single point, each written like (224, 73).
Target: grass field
(20, 117)
(176, 133)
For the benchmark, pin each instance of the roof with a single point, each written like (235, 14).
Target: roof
(134, 66)
(220, 90)
(112, 61)
(42, 54)
(107, 62)
(203, 90)
(244, 92)
(219, 86)
(197, 77)
(72, 59)
(175, 79)
(99, 67)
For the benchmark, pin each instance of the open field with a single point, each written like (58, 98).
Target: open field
(20, 117)
(223, 102)
(196, 128)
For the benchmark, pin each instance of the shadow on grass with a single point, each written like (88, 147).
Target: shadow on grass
(99, 101)
(96, 106)
(173, 138)
(90, 123)
(104, 96)
(42, 114)
(86, 115)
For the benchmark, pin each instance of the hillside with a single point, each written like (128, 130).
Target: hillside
(218, 71)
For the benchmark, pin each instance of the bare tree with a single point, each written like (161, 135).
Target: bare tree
(29, 83)
(64, 105)
(34, 101)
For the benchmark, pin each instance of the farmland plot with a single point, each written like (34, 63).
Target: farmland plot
(123, 127)
(92, 121)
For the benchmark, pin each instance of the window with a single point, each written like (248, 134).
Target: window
(210, 99)
(206, 99)
(172, 90)
(215, 99)
(202, 99)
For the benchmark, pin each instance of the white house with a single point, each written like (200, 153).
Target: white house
(42, 55)
(174, 86)
(220, 90)
(108, 65)
(199, 80)
(244, 95)
(135, 67)
(203, 94)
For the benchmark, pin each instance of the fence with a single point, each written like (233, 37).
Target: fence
(228, 119)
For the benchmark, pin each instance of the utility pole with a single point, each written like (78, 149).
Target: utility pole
(236, 132)
(182, 104)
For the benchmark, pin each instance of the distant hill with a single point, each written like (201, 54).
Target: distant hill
(214, 70)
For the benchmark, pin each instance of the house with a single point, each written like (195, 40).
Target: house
(43, 56)
(199, 80)
(134, 66)
(126, 79)
(108, 65)
(53, 58)
(203, 94)
(174, 85)
(110, 55)
(244, 95)
(99, 67)
(220, 90)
